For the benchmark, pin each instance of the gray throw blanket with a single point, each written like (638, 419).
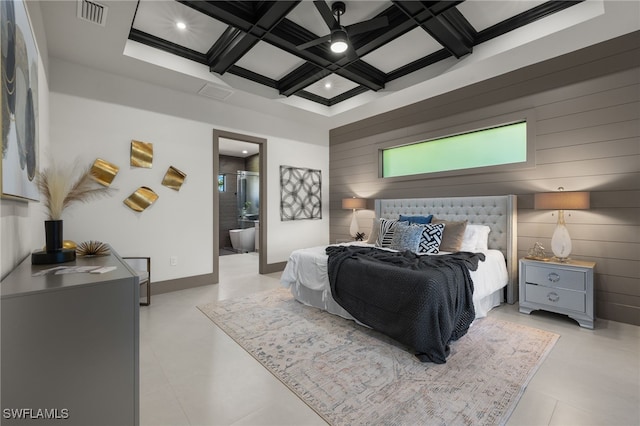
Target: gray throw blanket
(423, 302)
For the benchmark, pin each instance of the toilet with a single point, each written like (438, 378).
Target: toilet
(243, 240)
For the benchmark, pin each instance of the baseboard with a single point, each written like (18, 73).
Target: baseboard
(159, 287)
(270, 268)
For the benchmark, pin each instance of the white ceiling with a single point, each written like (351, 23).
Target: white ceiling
(235, 148)
(108, 48)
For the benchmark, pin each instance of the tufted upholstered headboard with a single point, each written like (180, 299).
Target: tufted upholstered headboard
(498, 212)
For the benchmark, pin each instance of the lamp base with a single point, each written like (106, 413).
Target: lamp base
(561, 241)
(60, 256)
(354, 229)
(561, 259)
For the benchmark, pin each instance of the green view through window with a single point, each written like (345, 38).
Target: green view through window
(489, 147)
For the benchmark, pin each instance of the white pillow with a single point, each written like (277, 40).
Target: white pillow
(475, 238)
(375, 231)
(483, 237)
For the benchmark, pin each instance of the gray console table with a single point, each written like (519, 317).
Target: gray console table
(70, 345)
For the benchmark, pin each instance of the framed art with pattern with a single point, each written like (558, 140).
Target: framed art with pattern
(300, 193)
(19, 99)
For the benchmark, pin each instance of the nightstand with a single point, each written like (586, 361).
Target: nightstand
(565, 288)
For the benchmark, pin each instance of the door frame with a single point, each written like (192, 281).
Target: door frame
(262, 211)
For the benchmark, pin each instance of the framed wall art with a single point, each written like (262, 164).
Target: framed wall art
(300, 193)
(19, 99)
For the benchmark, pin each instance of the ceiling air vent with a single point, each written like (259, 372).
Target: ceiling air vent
(92, 12)
(215, 92)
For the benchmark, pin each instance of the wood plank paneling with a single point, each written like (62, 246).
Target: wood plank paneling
(587, 123)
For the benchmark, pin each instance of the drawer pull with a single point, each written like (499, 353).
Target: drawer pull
(553, 277)
(553, 296)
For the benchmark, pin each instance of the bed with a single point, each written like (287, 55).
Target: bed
(494, 281)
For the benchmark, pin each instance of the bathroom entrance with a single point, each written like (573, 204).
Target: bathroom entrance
(239, 200)
(239, 206)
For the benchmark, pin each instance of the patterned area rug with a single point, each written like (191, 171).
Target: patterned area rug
(352, 375)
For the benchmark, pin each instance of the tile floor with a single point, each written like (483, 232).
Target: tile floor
(192, 373)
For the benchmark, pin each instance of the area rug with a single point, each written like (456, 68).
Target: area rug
(351, 375)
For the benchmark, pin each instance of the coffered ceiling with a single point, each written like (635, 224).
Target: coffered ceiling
(247, 54)
(263, 41)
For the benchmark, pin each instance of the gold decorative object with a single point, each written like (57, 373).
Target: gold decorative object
(537, 253)
(66, 244)
(104, 172)
(141, 154)
(141, 199)
(92, 248)
(174, 178)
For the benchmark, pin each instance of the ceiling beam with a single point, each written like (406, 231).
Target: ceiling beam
(399, 24)
(523, 18)
(300, 78)
(430, 16)
(251, 22)
(289, 35)
(167, 46)
(228, 49)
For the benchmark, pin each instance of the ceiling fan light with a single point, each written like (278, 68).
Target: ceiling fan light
(338, 46)
(339, 41)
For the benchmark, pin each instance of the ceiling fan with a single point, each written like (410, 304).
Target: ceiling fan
(339, 36)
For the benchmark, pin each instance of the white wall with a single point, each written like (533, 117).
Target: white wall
(96, 115)
(21, 222)
(285, 236)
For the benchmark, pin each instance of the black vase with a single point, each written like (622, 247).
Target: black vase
(53, 235)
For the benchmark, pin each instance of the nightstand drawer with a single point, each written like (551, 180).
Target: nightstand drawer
(558, 297)
(555, 277)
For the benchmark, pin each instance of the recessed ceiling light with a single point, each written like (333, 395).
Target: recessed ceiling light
(244, 151)
(327, 85)
(181, 25)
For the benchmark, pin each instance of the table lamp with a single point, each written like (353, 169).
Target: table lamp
(354, 204)
(561, 201)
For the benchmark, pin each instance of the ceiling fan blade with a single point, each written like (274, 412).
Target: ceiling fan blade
(315, 42)
(352, 56)
(326, 14)
(370, 25)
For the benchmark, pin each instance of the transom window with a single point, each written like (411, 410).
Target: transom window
(495, 146)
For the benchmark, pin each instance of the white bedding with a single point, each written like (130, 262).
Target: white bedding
(306, 275)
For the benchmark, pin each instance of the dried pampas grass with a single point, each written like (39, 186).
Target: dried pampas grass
(62, 186)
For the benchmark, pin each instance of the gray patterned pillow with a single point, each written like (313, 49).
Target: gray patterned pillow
(386, 230)
(406, 238)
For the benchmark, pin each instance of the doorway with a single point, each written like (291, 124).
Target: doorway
(261, 230)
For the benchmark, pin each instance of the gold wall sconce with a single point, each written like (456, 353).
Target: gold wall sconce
(141, 154)
(174, 178)
(103, 171)
(142, 198)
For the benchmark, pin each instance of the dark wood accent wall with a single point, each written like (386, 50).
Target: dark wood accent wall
(252, 163)
(587, 137)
